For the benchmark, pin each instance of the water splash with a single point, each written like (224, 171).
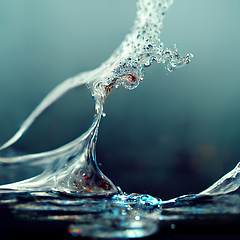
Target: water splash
(72, 168)
(61, 192)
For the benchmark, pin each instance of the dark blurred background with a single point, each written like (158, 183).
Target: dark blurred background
(176, 133)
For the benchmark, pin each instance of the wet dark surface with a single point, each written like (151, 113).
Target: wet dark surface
(13, 225)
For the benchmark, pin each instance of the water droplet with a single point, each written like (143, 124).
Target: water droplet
(172, 226)
(124, 213)
(170, 67)
(175, 47)
(147, 64)
(137, 218)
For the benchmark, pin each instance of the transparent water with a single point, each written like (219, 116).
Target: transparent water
(72, 188)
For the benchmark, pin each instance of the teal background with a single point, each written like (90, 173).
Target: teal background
(176, 133)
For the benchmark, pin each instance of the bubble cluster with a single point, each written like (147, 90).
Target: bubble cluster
(142, 46)
(172, 59)
(128, 74)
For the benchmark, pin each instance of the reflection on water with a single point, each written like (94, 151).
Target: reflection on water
(72, 187)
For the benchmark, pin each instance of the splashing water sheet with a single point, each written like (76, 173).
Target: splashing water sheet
(72, 188)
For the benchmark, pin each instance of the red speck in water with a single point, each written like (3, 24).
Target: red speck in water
(87, 177)
(105, 186)
(76, 173)
(131, 78)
